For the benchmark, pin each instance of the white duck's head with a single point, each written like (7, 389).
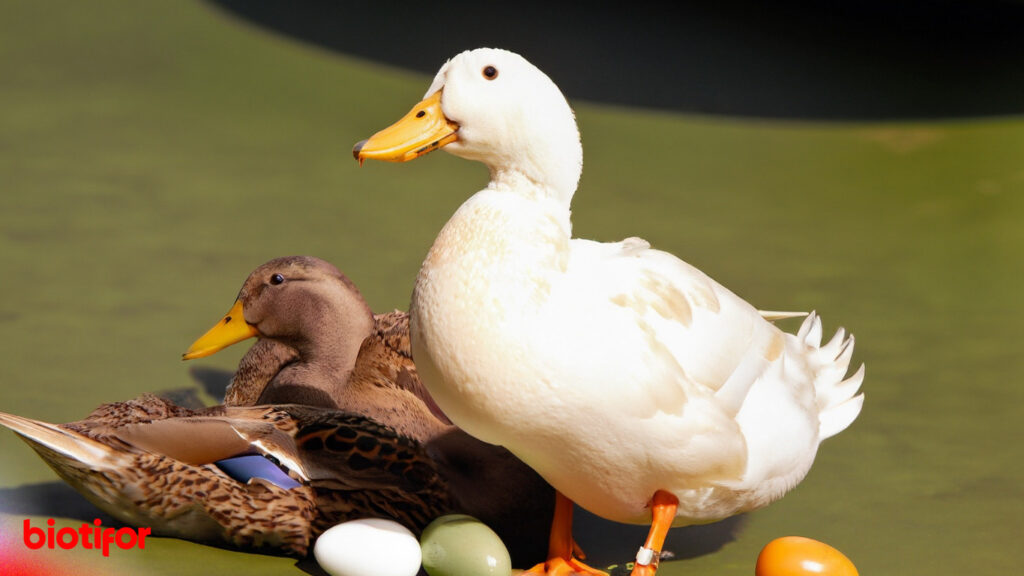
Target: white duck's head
(492, 106)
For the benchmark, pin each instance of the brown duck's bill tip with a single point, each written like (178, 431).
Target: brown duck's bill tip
(357, 148)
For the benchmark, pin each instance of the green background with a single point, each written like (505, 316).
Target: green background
(152, 154)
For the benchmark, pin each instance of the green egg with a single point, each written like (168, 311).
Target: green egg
(459, 545)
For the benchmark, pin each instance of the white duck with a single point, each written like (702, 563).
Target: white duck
(635, 384)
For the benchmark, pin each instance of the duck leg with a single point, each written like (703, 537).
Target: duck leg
(560, 560)
(663, 511)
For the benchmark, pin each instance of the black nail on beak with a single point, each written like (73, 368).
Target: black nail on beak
(355, 149)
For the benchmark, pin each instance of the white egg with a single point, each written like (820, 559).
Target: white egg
(368, 547)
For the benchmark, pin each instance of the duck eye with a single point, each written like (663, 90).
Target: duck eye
(276, 279)
(490, 72)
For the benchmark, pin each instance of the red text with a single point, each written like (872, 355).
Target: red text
(89, 536)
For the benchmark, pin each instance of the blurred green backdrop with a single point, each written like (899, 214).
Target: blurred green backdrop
(152, 154)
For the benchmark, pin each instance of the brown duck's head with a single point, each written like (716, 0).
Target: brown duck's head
(297, 300)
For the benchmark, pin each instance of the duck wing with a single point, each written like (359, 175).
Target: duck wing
(713, 340)
(312, 443)
(359, 467)
(703, 339)
(348, 450)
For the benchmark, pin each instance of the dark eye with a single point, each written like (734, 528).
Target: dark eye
(490, 72)
(276, 279)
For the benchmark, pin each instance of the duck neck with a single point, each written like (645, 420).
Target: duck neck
(326, 355)
(333, 338)
(549, 168)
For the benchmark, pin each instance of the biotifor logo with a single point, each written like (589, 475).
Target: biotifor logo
(89, 536)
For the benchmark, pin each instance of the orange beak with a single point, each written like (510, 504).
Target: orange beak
(424, 129)
(231, 329)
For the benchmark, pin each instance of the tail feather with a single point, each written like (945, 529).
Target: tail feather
(810, 331)
(773, 315)
(842, 391)
(835, 345)
(832, 368)
(63, 443)
(838, 402)
(839, 417)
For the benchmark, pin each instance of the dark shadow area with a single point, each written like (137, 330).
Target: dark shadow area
(185, 397)
(608, 543)
(309, 566)
(213, 380)
(871, 59)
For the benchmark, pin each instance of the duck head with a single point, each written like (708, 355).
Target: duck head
(495, 107)
(300, 301)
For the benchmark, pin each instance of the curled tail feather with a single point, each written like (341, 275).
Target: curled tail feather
(839, 404)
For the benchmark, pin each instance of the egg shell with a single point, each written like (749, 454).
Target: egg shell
(459, 545)
(799, 556)
(368, 547)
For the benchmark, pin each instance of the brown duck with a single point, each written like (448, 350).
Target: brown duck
(320, 344)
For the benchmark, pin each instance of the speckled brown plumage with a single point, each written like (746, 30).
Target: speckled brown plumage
(119, 457)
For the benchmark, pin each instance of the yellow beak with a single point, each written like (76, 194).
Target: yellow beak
(231, 329)
(424, 129)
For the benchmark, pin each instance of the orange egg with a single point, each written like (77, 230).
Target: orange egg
(798, 556)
